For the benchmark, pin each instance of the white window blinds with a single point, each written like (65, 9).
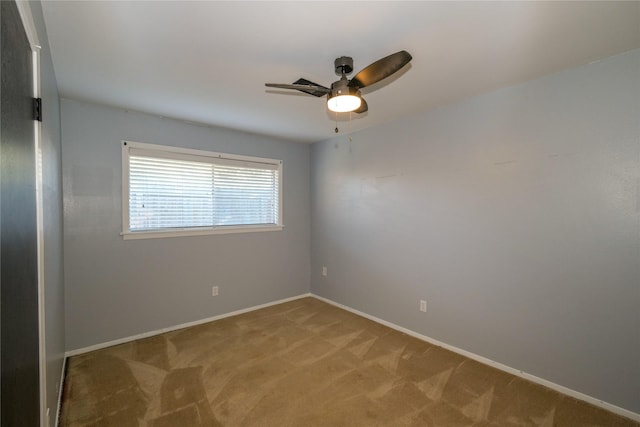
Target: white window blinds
(245, 195)
(172, 188)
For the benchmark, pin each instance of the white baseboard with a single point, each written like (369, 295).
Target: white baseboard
(60, 388)
(557, 387)
(181, 326)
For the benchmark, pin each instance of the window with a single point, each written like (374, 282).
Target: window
(170, 191)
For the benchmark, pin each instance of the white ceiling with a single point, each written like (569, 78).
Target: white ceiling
(207, 62)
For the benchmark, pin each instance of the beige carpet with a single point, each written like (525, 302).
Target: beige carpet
(304, 363)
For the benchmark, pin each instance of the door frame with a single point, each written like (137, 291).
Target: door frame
(32, 35)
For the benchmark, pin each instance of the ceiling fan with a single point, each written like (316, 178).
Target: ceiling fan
(344, 94)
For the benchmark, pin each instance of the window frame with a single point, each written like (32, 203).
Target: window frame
(127, 234)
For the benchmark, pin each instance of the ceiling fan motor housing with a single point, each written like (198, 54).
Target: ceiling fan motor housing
(343, 65)
(341, 87)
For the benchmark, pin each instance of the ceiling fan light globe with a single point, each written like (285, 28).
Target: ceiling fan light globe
(344, 103)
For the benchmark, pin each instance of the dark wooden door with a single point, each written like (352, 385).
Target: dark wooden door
(19, 343)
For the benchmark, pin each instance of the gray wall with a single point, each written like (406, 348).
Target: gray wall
(515, 214)
(117, 288)
(52, 216)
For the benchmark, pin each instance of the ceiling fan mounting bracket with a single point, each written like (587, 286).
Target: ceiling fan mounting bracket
(343, 65)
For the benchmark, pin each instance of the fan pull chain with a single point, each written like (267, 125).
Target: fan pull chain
(336, 129)
(350, 132)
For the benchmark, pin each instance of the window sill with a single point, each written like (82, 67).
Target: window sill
(157, 234)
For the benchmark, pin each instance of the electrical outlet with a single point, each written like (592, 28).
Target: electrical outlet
(214, 291)
(324, 270)
(423, 305)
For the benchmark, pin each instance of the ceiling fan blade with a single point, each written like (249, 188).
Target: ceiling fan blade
(314, 88)
(363, 107)
(303, 85)
(381, 69)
